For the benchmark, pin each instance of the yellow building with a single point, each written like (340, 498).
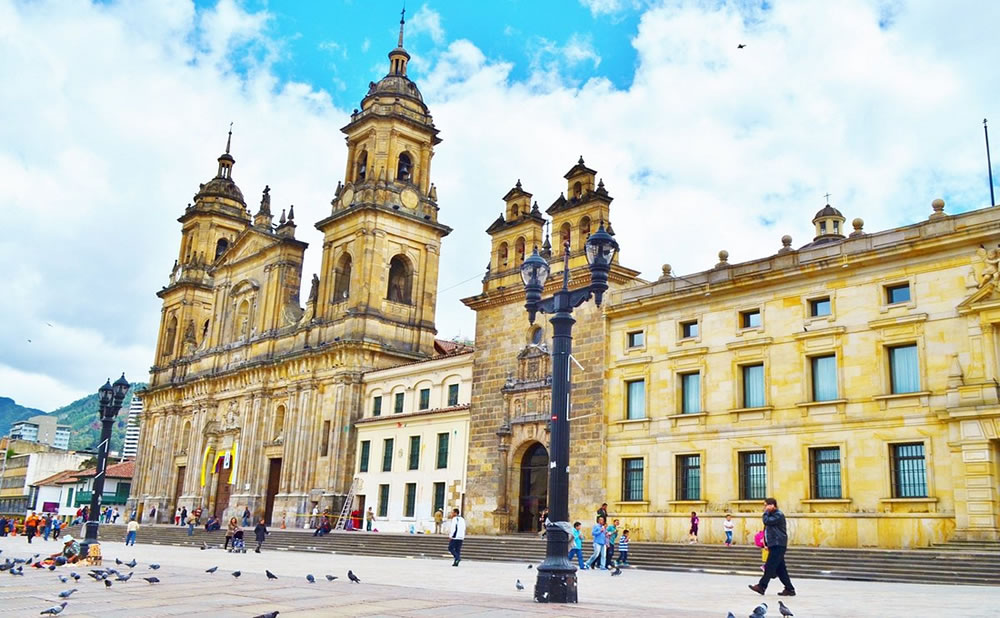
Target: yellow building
(854, 379)
(252, 398)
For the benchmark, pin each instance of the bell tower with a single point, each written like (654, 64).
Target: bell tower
(513, 236)
(382, 239)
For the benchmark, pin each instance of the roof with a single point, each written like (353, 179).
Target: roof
(828, 211)
(58, 477)
(579, 168)
(123, 470)
(448, 348)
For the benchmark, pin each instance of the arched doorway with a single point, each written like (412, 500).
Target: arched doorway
(534, 487)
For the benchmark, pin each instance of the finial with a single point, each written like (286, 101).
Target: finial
(667, 272)
(518, 184)
(938, 206)
(534, 208)
(723, 259)
(786, 244)
(282, 219)
(827, 196)
(858, 224)
(402, 20)
(291, 213)
(580, 162)
(230, 138)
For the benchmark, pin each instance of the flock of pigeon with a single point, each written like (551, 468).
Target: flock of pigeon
(110, 575)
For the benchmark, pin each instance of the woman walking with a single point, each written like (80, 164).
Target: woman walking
(231, 530)
(260, 533)
(693, 533)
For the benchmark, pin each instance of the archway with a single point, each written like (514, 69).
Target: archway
(534, 487)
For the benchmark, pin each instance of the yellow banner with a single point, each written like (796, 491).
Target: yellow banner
(204, 464)
(232, 464)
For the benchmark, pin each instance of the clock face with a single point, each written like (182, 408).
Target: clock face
(347, 196)
(409, 198)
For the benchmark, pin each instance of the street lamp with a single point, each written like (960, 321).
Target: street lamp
(556, 582)
(110, 397)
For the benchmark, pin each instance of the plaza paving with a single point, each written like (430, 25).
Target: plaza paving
(414, 587)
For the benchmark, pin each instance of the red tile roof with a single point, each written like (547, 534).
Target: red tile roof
(57, 478)
(447, 348)
(123, 470)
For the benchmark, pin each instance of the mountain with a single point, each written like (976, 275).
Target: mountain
(10, 413)
(85, 423)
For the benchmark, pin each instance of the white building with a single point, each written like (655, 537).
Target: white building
(43, 429)
(23, 471)
(131, 447)
(413, 439)
(49, 495)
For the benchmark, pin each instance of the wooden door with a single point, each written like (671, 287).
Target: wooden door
(222, 490)
(178, 489)
(273, 480)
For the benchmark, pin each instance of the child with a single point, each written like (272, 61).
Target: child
(623, 548)
(727, 525)
(758, 540)
(577, 546)
(693, 533)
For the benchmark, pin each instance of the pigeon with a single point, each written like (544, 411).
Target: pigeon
(330, 578)
(730, 615)
(519, 585)
(55, 609)
(118, 561)
(784, 609)
(270, 575)
(212, 570)
(273, 614)
(75, 575)
(310, 579)
(36, 555)
(107, 583)
(17, 571)
(65, 593)
(63, 579)
(52, 567)
(760, 611)
(131, 564)
(740, 46)
(124, 578)
(152, 580)
(531, 566)
(617, 571)
(97, 576)
(154, 566)
(237, 573)
(351, 576)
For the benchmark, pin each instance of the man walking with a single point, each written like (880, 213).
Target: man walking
(776, 540)
(31, 526)
(457, 536)
(132, 530)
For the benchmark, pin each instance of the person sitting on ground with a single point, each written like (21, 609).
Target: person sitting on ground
(323, 527)
(70, 552)
(212, 524)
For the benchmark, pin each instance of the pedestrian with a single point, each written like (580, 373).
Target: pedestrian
(543, 522)
(577, 546)
(457, 536)
(132, 529)
(197, 515)
(693, 532)
(177, 516)
(728, 525)
(152, 515)
(184, 516)
(31, 526)
(116, 514)
(599, 536)
(776, 540)
(191, 521)
(603, 511)
(260, 533)
(314, 522)
(612, 531)
(231, 530)
(246, 516)
(623, 548)
(56, 526)
(3, 526)
(370, 518)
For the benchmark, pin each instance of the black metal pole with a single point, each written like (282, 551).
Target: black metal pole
(108, 413)
(989, 165)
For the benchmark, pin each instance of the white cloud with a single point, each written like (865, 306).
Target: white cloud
(366, 45)
(427, 20)
(601, 8)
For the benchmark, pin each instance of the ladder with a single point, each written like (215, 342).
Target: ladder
(345, 512)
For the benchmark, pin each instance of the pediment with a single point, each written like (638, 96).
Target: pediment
(249, 243)
(983, 299)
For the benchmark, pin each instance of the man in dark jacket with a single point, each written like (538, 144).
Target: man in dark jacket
(776, 540)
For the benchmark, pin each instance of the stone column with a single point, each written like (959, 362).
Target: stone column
(976, 499)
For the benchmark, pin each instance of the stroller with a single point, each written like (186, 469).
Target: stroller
(238, 546)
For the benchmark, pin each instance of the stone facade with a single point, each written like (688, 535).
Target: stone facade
(252, 397)
(854, 379)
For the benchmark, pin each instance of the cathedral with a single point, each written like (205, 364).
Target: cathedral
(252, 396)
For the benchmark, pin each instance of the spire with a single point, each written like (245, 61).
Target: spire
(402, 20)
(226, 160)
(398, 57)
(229, 139)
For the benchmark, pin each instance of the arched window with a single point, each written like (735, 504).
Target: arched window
(519, 250)
(404, 167)
(242, 325)
(220, 247)
(515, 211)
(564, 236)
(279, 422)
(502, 256)
(361, 167)
(400, 280)
(577, 190)
(536, 335)
(342, 278)
(171, 336)
(186, 437)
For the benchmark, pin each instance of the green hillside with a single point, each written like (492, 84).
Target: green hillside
(10, 413)
(85, 424)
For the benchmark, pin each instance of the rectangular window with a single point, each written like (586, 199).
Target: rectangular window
(387, 455)
(909, 471)
(636, 339)
(690, 393)
(414, 453)
(411, 500)
(399, 403)
(689, 329)
(366, 447)
(69, 497)
(453, 394)
(897, 293)
(689, 477)
(324, 449)
(377, 406)
(632, 480)
(753, 386)
(425, 398)
(383, 500)
(904, 369)
(636, 399)
(750, 318)
(824, 377)
(442, 451)
(819, 307)
(824, 473)
(438, 498)
(753, 475)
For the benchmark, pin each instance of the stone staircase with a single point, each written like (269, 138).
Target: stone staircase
(949, 564)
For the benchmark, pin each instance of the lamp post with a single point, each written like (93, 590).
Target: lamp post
(110, 397)
(556, 582)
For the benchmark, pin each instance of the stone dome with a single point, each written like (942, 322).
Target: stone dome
(221, 187)
(396, 86)
(827, 211)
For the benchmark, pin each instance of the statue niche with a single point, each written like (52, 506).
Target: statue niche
(400, 285)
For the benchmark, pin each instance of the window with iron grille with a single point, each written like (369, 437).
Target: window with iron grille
(438, 497)
(399, 403)
(753, 475)
(824, 473)
(366, 447)
(442, 451)
(425, 398)
(387, 455)
(383, 500)
(632, 480)
(453, 394)
(409, 504)
(909, 471)
(414, 453)
(377, 405)
(689, 477)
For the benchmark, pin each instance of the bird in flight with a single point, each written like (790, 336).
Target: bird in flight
(740, 46)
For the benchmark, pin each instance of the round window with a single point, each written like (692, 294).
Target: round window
(536, 335)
